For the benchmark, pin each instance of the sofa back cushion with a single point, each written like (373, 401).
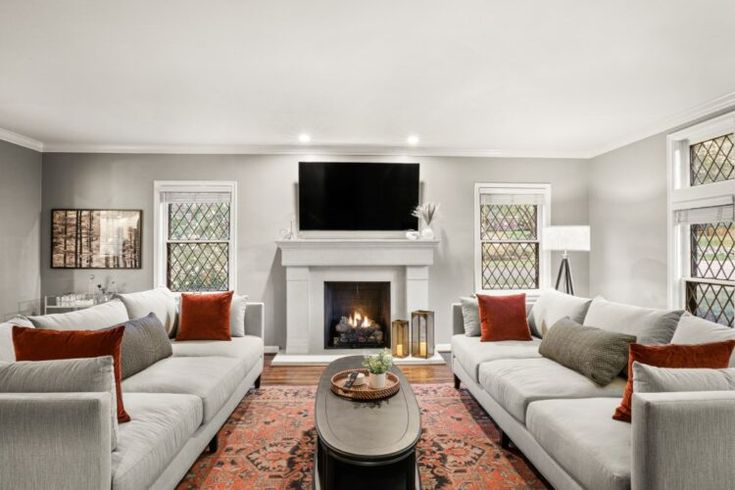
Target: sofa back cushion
(145, 342)
(648, 325)
(95, 374)
(160, 301)
(694, 330)
(597, 354)
(714, 356)
(34, 344)
(93, 318)
(470, 316)
(551, 306)
(651, 379)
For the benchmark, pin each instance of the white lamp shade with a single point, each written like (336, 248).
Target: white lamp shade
(567, 238)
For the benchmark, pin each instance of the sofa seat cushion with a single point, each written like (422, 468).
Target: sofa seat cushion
(213, 379)
(161, 425)
(582, 437)
(515, 383)
(470, 352)
(248, 348)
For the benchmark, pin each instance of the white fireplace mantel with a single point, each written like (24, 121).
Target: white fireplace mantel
(311, 262)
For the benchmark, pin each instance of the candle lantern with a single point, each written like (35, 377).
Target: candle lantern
(399, 338)
(422, 334)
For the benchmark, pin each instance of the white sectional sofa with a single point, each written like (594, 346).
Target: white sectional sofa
(177, 406)
(562, 421)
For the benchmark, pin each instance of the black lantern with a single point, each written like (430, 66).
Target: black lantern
(422, 334)
(399, 338)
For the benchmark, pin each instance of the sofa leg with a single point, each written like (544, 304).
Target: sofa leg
(257, 382)
(213, 444)
(457, 382)
(504, 440)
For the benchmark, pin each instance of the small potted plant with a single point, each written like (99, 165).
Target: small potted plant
(377, 365)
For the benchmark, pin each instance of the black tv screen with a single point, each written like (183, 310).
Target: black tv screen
(335, 196)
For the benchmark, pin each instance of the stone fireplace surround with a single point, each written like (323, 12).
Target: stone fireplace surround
(310, 263)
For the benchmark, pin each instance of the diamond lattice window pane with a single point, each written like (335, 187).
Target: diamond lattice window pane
(199, 221)
(510, 265)
(198, 266)
(713, 302)
(713, 251)
(712, 160)
(508, 222)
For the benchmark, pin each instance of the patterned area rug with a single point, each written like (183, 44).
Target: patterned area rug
(268, 443)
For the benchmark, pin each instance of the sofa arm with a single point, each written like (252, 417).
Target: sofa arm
(59, 440)
(683, 440)
(255, 320)
(457, 319)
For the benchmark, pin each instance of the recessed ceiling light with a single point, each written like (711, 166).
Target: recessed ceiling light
(304, 138)
(412, 140)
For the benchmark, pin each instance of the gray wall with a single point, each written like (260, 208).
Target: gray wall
(627, 214)
(266, 203)
(20, 214)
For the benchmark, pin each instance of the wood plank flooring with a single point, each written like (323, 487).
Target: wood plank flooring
(309, 375)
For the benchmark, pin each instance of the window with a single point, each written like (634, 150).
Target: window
(195, 235)
(702, 231)
(509, 219)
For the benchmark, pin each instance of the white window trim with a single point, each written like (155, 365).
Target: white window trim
(544, 218)
(680, 195)
(160, 223)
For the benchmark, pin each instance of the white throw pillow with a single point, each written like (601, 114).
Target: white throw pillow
(94, 318)
(160, 301)
(87, 375)
(551, 306)
(695, 330)
(7, 350)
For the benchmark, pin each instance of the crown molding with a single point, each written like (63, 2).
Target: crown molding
(20, 140)
(315, 150)
(670, 123)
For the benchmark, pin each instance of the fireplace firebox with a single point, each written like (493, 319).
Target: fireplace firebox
(356, 315)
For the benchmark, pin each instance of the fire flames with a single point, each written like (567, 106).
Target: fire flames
(357, 320)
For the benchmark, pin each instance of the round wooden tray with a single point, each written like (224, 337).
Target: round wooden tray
(364, 392)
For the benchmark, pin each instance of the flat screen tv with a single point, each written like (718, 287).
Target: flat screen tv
(336, 196)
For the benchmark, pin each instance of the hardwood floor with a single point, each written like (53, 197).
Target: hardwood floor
(309, 375)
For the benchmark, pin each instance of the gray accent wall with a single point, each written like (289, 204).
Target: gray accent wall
(627, 214)
(20, 215)
(266, 203)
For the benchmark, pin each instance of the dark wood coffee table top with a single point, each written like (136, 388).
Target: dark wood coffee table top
(366, 431)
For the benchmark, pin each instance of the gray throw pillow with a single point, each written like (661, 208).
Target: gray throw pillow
(651, 379)
(597, 354)
(145, 342)
(471, 316)
(87, 375)
(649, 325)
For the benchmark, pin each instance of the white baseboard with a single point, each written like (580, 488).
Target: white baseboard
(271, 349)
(444, 347)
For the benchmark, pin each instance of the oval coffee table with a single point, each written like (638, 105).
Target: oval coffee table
(366, 444)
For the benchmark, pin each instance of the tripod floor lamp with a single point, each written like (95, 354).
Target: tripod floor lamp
(566, 239)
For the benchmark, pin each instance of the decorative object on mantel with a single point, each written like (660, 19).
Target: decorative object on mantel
(378, 365)
(96, 238)
(364, 392)
(426, 212)
(422, 334)
(413, 235)
(399, 338)
(290, 232)
(566, 239)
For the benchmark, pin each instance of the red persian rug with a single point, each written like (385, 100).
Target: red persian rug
(268, 443)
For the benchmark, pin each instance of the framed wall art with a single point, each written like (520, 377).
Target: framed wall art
(96, 238)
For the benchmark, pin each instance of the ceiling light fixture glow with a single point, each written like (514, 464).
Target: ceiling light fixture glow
(412, 140)
(304, 138)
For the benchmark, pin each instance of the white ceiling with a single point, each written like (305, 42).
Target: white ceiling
(517, 77)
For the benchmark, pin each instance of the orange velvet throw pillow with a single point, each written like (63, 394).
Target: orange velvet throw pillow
(35, 344)
(715, 355)
(205, 316)
(503, 318)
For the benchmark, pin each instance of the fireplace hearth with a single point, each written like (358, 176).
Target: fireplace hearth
(356, 315)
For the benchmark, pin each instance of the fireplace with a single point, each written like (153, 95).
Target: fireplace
(356, 315)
